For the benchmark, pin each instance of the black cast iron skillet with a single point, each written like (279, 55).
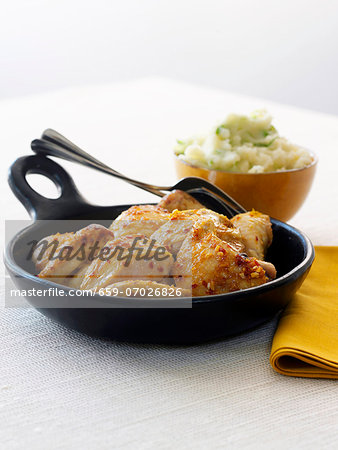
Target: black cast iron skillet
(211, 317)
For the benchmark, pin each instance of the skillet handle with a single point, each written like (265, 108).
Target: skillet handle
(39, 207)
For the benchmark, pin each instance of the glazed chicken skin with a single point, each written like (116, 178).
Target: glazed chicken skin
(213, 257)
(207, 221)
(179, 200)
(146, 219)
(180, 223)
(143, 219)
(256, 232)
(148, 260)
(40, 257)
(73, 254)
(173, 232)
(211, 266)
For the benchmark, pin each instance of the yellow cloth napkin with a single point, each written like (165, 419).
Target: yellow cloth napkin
(306, 341)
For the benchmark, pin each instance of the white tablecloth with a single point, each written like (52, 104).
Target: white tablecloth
(60, 389)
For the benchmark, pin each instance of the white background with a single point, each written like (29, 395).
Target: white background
(280, 50)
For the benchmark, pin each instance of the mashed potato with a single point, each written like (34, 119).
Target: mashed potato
(246, 144)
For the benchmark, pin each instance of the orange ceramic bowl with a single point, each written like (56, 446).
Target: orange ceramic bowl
(278, 194)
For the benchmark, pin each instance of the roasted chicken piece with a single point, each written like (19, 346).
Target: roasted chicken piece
(143, 219)
(146, 219)
(145, 289)
(69, 254)
(179, 200)
(211, 266)
(256, 232)
(172, 234)
(43, 249)
(75, 279)
(128, 258)
(208, 221)
(213, 254)
(270, 269)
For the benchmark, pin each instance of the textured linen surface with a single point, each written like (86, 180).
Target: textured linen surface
(60, 389)
(306, 341)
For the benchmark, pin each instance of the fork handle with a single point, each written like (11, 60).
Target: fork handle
(57, 138)
(48, 148)
(61, 141)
